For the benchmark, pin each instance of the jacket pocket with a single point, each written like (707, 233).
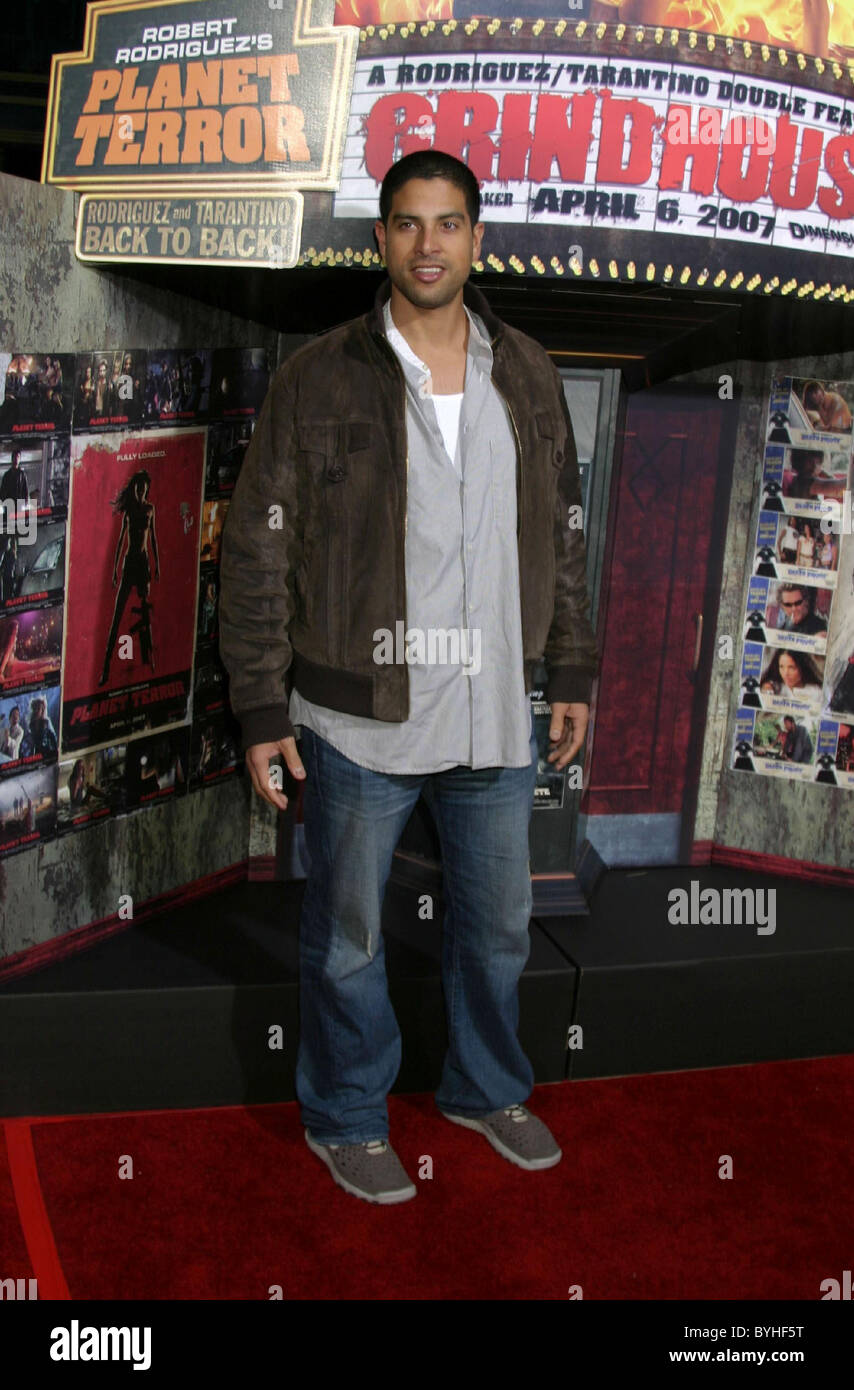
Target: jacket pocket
(336, 456)
(548, 437)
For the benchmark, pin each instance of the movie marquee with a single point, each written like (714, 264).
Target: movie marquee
(610, 152)
(617, 152)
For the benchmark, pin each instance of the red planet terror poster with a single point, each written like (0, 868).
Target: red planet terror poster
(132, 579)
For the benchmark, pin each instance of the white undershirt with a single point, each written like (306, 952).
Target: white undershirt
(448, 415)
(447, 407)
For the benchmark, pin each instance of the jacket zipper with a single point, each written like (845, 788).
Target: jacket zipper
(518, 456)
(519, 503)
(387, 348)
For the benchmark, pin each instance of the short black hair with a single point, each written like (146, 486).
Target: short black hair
(430, 164)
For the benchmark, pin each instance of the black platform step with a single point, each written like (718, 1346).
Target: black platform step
(656, 995)
(177, 1011)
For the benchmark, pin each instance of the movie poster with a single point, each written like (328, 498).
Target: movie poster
(550, 783)
(215, 743)
(33, 509)
(27, 809)
(109, 389)
(35, 392)
(240, 378)
(227, 445)
(30, 648)
(178, 386)
(132, 584)
(156, 767)
(215, 748)
(28, 730)
(90, 788)
(796, 703)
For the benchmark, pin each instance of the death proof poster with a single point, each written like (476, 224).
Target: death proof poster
(796, 705)
(132, 584)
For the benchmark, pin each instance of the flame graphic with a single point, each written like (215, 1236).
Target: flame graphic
(821, 27)
(391, 11)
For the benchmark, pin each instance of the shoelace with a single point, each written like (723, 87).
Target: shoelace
(376, 1146)
(515, 1112)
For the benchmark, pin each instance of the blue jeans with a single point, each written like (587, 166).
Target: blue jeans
(349, 1050)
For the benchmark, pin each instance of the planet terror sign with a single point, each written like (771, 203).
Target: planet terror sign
(192, 89)
(194, 125)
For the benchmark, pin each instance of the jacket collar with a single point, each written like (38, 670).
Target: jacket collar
(472, 298)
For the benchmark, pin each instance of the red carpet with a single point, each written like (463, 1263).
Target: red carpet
(225, 1203)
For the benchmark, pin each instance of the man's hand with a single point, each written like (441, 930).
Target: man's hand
(567, 730)
(258, 761)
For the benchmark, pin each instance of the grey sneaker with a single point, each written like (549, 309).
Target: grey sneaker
(371, 1170)
(517, 1135)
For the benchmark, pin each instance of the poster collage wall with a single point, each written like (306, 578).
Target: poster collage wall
(116, 468)
(796, 708)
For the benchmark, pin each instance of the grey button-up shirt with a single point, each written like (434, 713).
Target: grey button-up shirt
(462, 629)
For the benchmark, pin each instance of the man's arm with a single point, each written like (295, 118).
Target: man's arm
(571, 652)
(261, 547)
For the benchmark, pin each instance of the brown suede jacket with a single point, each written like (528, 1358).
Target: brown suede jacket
(312, 558)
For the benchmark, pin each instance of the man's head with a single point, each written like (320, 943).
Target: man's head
(16, 458)
(795, 603)
(429, 233)
(806, 462)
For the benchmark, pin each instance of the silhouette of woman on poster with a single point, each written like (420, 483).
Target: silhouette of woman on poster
(137, 525)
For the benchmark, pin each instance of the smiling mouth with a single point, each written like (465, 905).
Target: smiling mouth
(428, 273)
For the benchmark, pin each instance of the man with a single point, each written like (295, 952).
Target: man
(827, 409)
(796, 742)
(807, 465)
(13, 485)
(412, 472)
(788, 544)
(12, 736)
(796, 606)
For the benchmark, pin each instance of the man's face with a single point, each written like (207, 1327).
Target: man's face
(429, 243)
(795, 605)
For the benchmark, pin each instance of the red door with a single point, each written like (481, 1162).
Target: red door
(660, 594)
